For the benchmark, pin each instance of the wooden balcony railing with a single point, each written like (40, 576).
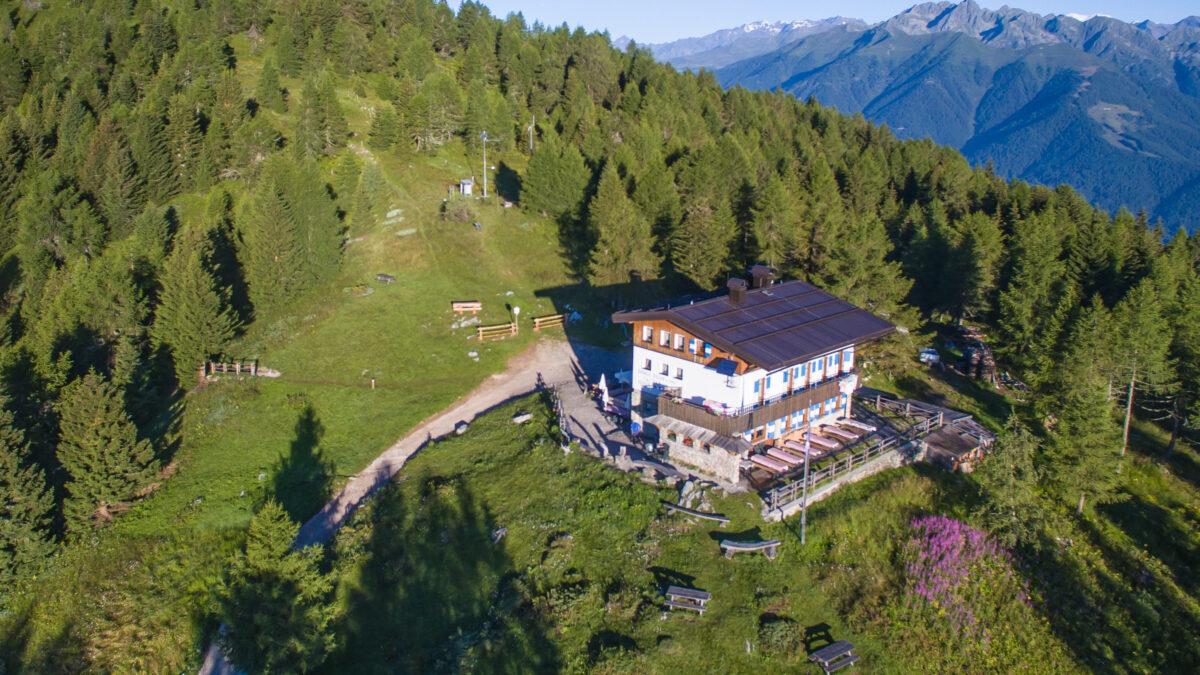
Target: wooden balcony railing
(733, 425)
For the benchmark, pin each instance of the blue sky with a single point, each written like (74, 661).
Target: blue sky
(662, 20)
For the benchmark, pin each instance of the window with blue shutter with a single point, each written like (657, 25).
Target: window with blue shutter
(785, 376)
(692, 345)
(757, 386)
(707, 349)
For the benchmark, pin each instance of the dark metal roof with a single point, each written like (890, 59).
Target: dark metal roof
(775, 326)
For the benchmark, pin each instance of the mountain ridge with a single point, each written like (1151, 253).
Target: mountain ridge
(1103, 105)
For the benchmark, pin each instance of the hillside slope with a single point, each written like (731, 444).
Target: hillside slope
(1048, 99)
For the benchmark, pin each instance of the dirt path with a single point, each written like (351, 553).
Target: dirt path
(558, 363)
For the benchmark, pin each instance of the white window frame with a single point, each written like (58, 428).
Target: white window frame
(647, 333)
(664, 338)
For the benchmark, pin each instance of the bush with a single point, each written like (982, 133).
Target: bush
(778, 635)
(457, 211)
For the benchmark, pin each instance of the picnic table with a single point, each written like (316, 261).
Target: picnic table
(834, 657)
(692, 599)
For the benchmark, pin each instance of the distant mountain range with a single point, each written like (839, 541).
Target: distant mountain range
(1109, 107)
(724, 47)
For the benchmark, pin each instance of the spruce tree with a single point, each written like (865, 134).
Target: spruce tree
(26, 507)
(624, 244)
(122, 193)
(184, 140)
(372, 191)
(277, 606)
(1029, 296)
(555, 180)
(1010, 479)
(334, 128)
(385, 128)
(270, 249)
(193, 319)
(107, 466)
(148, 142)
(345, 178)
(268, 92)
(1078, 400)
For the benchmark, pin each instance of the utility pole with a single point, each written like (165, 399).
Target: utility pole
(804, 497)
(483, 137)
(484, 140)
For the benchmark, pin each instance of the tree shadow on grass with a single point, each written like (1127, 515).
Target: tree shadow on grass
(21, 652)
(508, 183)
(1114, 617)
(435, 592)
(303, 480)
(1158, 532)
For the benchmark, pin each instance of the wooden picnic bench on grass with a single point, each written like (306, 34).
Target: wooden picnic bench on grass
(472, 306)
(834, 657)
(549, 321)
(769, 548)
(678, 508)
(687, 598)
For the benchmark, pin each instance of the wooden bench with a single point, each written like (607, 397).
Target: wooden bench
(769, 548)
(834, 657)
(549, 321)
(687, 598)
(678, 508)
(472, 306)
(496, 332)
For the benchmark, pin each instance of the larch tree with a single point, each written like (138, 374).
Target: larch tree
(822, 216)
(1141, 348)
(700, 244)
(277, 606)
(193, 320)
(774, 222)
(98, 447)
(624, 244)
(858, 270)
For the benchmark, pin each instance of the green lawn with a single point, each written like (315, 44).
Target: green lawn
(575, 582)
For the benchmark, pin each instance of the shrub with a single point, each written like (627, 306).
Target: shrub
(457, 211)
(780, 635)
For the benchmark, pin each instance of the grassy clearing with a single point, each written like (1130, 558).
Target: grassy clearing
(574, 584)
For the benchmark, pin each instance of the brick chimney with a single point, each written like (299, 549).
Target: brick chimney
(737, 291)
(762, 276)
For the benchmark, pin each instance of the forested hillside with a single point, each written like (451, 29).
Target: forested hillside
(186, 180)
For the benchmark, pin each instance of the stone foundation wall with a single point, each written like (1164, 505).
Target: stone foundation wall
(716, 463)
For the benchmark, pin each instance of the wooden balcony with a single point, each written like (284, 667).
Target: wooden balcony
(733, 425)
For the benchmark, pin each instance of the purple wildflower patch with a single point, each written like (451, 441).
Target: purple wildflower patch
(948, 564)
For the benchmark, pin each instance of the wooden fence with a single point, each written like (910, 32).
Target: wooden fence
(496, 332)
(214, 368)
(842, 465)
(549, 321)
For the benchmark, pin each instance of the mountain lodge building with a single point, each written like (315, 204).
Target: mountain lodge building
(717, 379)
